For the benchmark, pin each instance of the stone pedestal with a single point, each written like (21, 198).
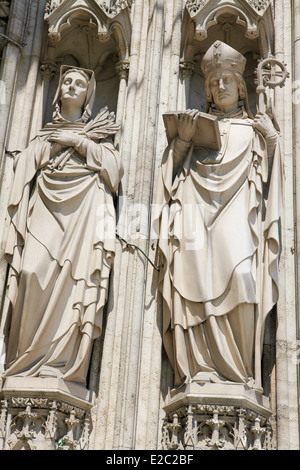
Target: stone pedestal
(216, 416)
(44, 414)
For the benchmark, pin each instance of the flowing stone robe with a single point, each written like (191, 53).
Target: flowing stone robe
(219, 246)
(60, 247)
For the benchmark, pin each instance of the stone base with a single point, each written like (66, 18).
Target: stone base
(48, 387)
(217, 416)
(228, 393)
(44, 414)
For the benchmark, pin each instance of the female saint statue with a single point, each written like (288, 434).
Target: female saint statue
(219, 233)
(62, 239)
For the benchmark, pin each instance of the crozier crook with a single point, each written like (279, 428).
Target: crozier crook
(269, 76)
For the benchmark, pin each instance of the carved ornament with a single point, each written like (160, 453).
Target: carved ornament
(43, 424)
(195, 6)
(205, 13)
(198, 426)
(97, 16)
(111, 11)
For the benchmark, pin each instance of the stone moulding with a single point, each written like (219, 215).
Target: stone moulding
(205, 13)
(39, 414)
(110, 11)
(195, 6)
(234, 419)
(105, 20)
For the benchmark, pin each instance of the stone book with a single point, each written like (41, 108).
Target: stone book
(207, 133)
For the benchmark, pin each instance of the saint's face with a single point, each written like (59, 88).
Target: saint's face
(224, 89)
(74, 89)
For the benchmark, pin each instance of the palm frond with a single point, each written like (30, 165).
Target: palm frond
(102, 126)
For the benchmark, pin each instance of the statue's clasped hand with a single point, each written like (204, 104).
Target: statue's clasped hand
(263, 123)
(187, 124)
(65, 138)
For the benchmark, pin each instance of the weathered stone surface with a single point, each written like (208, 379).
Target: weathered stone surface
(147, 60)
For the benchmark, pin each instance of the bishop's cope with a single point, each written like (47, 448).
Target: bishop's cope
(219, 234)
(64, 183)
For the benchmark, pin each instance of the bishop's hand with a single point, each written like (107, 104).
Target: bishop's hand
(264, 124)
(187, 124)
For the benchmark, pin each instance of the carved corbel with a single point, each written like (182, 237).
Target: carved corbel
(48, 70)
(122, 69)
(53, 36)
(187, 68)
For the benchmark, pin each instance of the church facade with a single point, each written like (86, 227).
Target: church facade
(147, 62)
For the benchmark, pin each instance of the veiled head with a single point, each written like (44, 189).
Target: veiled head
(76, 87)
(73, 89)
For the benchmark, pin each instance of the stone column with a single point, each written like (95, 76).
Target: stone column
(9, 70)
(187, 68)
(10, 62)
(128, 406)
(122, 69)
(47, 70)
(155, 375)
(288, 305)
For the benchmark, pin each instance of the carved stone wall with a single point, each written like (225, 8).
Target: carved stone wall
(216, 427)
(45, 416)
(146, 56)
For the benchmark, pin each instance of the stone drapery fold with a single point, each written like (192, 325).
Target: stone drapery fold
(219, 243)
(60, 248)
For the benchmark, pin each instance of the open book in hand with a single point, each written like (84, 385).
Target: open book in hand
(207, 133)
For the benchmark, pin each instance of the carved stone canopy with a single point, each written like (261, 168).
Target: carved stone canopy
(105, 20)
(92, 34)
(260, 6)
(205, 13)
(245, 25)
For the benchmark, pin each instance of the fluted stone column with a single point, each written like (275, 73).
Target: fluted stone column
(129, 404)
(287, 398)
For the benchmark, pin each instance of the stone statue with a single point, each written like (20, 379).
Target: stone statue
(219, 235)
(62, 238)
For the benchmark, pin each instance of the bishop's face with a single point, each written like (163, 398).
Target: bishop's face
(74, 89)
(225, 90)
